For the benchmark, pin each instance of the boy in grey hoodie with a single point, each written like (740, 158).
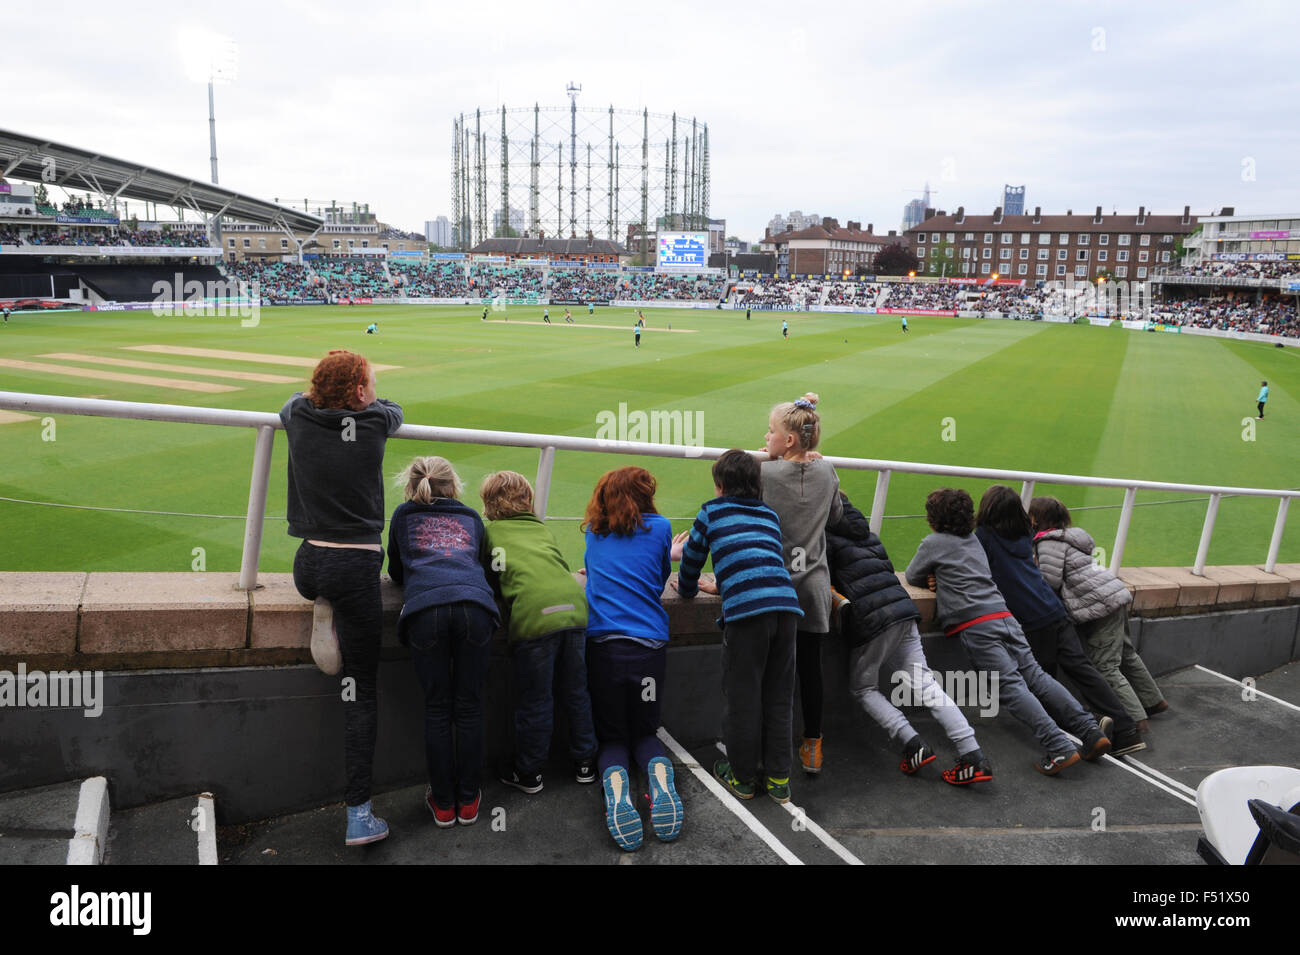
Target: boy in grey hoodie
(970, 606)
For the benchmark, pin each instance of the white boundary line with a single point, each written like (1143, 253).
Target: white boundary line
(728, 800)
(807, 823)
(1159, 775)
(1122, 763)
(1255, 690)
(86, 847)
(207, 831)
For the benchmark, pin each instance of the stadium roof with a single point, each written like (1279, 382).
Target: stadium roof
(549, 246)
(35, 159)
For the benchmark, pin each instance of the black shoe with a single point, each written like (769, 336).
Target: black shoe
(530, 783)
(915, 755)
(584, 771)
(1127, 743)
(1097, 743)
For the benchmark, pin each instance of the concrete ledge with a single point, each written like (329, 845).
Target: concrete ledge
(134, 612)
(1150, 590)
(38, 613)
(1269, 588)
(1193, 591)
(1236, 587)
(1290, 572)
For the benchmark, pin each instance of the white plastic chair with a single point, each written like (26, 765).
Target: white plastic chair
(1221, 800)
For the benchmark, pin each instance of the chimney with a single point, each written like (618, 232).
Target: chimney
(1227, 211)
(767, 232)
(1096, 218)
(829, 224)
(1187, 215)
(871, 227)
(789, 228)
(1038, 214)
(855, 226)
(892, 234)
(1142, 215)
(961, 215)
(997, 216)
(541, 236)
(1069, 212)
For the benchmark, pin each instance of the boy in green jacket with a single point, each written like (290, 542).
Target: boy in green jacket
(545, 610)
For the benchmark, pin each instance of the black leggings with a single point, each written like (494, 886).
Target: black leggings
(808, 661)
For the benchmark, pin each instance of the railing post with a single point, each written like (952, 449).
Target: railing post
(878, 502)
(256, 508)
(1204, 549)
(1121, 532)
(545, 462)
(1276, 542)
(1027, 493)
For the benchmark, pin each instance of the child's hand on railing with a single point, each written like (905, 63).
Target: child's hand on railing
(679, 542)
(932, 584)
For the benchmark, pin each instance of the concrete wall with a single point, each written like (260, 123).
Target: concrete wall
(208, 688)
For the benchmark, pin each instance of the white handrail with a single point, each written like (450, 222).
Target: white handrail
(547, 444)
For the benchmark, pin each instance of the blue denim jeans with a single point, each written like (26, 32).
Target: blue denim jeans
(541, 665)
(449, 647)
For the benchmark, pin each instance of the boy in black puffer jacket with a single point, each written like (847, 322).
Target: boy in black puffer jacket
(879, 626)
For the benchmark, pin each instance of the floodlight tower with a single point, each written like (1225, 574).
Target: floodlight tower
(212, 58)
(573, 89)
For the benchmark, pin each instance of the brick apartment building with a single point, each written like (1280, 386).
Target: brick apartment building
(827, 249)
(1039, 248)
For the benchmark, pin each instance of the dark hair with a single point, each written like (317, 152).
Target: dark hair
(619, 500)
(738, 474)
(1049, 514)
(950, 511)
(1001, 512)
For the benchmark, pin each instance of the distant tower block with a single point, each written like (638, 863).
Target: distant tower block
(578, 170)
(1013, 200)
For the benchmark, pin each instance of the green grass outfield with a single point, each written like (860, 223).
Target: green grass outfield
(1034, 396)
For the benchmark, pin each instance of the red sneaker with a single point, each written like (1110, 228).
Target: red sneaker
(445, 818)
(467, 815)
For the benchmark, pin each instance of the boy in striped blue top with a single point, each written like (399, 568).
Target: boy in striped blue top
(760, 613)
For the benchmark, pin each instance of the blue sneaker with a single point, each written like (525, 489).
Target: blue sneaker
(364, 826)
(621, 817)
(665, 804)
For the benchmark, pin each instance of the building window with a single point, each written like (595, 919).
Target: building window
(1101, 255)
(1125, 239)
(1145, 240)
(1081, 271)
(970, 236)
(1166, 240)
(247, 243)
(1062, 254)
(1025, 238)
(1121, 255)
(988, 238)
(1142, 256)
(1083, 238)
(284, 244)
(1142, 272)
(1081, 255)
(934, 237)
(1060, 270)
(1164, 256)
(965, 253)
(1040, 271)
(1044, 238)
(1005, 255)
(984, 268)
(1044, 255)
(1022, 269)
(920, 253)
(231, 241)
(1024, 254)
(952, 236)
(920, 237)
(1103, 240)
(988, 254)
(948, 252)
(1121, 271)
(261, 243)
(1064, 239)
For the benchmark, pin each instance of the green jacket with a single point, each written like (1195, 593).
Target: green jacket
(536, 587)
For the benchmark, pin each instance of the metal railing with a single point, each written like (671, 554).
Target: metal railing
(267, 423)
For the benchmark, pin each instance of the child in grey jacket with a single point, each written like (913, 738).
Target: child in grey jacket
(1097, 602)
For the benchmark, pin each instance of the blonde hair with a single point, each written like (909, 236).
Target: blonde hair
(801, 420)
(505, 494)
(427, 478)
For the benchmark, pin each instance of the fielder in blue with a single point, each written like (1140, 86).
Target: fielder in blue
(1263, 397)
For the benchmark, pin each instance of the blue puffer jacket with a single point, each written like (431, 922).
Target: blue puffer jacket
(862, 572)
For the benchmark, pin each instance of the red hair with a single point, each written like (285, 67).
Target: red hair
(335, 379)
(619, 500)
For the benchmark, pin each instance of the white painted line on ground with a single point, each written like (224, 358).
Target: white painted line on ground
(86, 847)
(619, 328)
(207, 831)
(728, 800)
(829, 841)
(1122, 763)
(1255, 690)
(1159, 775)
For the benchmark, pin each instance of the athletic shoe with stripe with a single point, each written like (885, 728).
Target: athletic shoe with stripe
(621, 817)
(965, 773)
(665, 805)
(1051, 765)
(915, 755)
(739, 788)
(810, 755)
(779, 789)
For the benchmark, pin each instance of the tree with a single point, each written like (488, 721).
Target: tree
(942, 260)
(895, 259)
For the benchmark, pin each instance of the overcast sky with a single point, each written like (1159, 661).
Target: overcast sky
(839, 108)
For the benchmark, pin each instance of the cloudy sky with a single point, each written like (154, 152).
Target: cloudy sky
(839, 108)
